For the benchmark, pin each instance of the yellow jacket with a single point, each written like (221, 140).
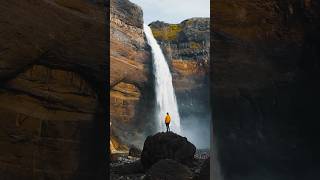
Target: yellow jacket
(167, 119)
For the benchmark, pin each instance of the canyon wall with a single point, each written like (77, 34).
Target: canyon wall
(265, 84)
(52, 122)
(131, 83)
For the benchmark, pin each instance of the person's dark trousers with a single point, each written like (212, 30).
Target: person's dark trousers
(168, 128)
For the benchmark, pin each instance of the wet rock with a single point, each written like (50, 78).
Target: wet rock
(169, 170)
(167, 146)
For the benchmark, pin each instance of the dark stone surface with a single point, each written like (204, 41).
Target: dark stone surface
(265, 88)
(52, 76)
(167, 146)
(134, 152)
(205, 170)
(169, 170)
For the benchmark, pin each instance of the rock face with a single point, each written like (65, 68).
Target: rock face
(131, 95)
(189, 40)
(170, 170)
(186, 47)
(51, 115)
(167, 146)
(265, 71)
(205, 170)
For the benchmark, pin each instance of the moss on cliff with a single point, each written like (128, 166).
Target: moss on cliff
(168, 33)
(195, 45)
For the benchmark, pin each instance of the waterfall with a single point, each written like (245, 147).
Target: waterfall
(165, 95)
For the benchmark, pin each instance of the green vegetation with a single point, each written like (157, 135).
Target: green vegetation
(168, 33)
(189, 22)
(195, 45)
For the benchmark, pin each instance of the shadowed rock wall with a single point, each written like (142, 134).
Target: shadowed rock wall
(51, 94)
(265, 74)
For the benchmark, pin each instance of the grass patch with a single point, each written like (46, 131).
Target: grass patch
(168, 33)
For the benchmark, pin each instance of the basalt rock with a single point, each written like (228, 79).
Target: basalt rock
(264, 91)
(205, 170)
(167, 146)
(170, 170)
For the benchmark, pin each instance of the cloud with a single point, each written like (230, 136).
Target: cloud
(173, 11)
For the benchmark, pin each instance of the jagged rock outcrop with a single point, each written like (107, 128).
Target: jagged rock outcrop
(51, 123)
(265, 71)
(167, 146)
(131, 94)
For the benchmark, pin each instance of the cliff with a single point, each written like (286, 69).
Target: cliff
(131, 95)
(265, 69)
(51, 93)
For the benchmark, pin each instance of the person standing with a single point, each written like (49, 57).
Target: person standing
(167, 121)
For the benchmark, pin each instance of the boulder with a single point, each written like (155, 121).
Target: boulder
(169, 170)
(167, 146)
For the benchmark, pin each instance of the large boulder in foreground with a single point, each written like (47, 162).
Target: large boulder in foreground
(167, 146)
(170, 170)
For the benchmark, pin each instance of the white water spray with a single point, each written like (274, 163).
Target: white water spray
(165, 95)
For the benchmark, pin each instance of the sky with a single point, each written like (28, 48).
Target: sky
(173, 11)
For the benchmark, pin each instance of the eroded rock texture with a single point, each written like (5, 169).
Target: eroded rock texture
(131, 95)
(52, 124)
(265, 80)
(167, 146)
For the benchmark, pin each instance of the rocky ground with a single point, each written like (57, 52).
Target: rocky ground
(126, 166)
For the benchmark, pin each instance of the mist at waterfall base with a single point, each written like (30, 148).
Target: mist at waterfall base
(197, 130)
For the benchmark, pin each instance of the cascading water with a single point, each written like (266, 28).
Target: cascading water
(165, 95)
